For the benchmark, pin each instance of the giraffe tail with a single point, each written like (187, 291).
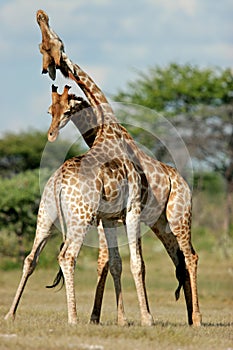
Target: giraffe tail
(59, 277)
(180, 273)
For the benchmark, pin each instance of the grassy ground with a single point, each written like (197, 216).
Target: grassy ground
(41, 321)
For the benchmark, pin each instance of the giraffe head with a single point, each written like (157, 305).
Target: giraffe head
(51, 46)
(67, 106)
(60, 111)
(41, 16)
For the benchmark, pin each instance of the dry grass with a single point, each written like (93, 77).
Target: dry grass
(41, 322)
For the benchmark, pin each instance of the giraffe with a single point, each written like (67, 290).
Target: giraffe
(169, 213)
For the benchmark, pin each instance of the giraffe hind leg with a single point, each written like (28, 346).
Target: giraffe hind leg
(67, 259)
(30, 263)
(163, 232)
(181, 230)
(46, 216)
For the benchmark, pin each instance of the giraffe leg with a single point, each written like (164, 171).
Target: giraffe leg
(115, 267)
(181, 227)
(102, 270)
(44, 224)
(167, 238)
(190, 284)
(67, 259)
(137, 266)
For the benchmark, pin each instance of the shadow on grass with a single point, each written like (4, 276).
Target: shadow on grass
(167, 324)
(218, 324)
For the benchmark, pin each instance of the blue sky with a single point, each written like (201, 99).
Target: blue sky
(109, 39)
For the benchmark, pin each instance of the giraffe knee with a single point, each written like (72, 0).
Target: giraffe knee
(102, 268)
(191, 261)
(103, 262)
(29, 265)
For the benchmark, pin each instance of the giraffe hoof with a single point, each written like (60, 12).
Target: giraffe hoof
(197, 320)
(9, 315)
(122, 322)
(94, 320)
(147, 321)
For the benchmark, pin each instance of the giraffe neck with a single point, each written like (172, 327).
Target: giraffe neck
(98, 101)
(45, 34)
(84, 119)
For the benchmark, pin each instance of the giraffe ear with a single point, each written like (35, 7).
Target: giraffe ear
(55, 94)
(54, 88)
(65, 93)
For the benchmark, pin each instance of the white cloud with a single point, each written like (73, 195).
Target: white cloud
(188, 7)
(19, 16)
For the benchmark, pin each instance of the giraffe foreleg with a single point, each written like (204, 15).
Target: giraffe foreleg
(103, 267)
(115, 267)
(137, 266)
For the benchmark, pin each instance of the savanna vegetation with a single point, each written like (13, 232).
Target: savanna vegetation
(198, 103)
(41, 321)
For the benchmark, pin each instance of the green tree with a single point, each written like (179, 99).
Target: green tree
(179, 88)
(19, 202)
(24, 151)
(26, 161)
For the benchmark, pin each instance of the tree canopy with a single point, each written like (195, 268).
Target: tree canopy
(23, 151)
(26, 161)
(179, 88)
(199, 104)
